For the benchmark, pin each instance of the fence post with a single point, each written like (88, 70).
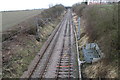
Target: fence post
(37, 30)
(78, 34)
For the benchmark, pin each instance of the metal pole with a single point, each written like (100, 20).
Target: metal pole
(78, 35)
(79, 62)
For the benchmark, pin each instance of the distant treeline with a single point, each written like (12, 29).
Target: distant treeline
(53, 12)
(29, 25)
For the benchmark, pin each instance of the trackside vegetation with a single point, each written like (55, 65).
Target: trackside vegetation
(29, 24)
(20, 50)
(101, 26)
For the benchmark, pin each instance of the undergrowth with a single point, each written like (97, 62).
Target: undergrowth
(29, 25)
(101, 25)
(18, 52)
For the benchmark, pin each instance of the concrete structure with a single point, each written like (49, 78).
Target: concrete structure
(91, 52)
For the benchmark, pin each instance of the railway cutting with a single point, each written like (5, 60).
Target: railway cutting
(57, 58)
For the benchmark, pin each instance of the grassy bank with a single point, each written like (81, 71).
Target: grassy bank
(101, 26)
(26, 23)
(21, 49)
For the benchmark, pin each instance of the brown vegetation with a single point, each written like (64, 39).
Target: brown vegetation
(19, 50)
(101, 26)
(30, 23)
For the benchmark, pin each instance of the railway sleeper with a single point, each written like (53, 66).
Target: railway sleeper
(64, 67)
(65, 58)
(66, 64)
(60, 78)
(65, 70)
(65, 73)
(66, 54)
(65, 76)
(64, 61)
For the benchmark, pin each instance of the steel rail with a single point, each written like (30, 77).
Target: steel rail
(78, 59)
(57, 72)
(49, 46)
(50, 53)
(69, 45)
(38, 57)
(69, 52)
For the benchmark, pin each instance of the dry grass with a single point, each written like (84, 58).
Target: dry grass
(20, 50)
(29, 24)
(101, 26)
(18, 53)
(101, 70)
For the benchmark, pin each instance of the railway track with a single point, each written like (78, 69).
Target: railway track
(65, 65)
(56, 58)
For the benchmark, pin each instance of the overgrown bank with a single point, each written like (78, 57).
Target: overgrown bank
(20, 50)
(30, 23)
(101, 27)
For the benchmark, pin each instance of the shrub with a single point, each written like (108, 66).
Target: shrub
(102, 27)
(29, 25)
(53, 12)
(77, 8)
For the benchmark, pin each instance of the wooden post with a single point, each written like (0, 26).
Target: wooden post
(37, 30)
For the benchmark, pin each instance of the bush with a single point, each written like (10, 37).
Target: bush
(77, 8)
(102, 27)
(53, 12)
(29, 25)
